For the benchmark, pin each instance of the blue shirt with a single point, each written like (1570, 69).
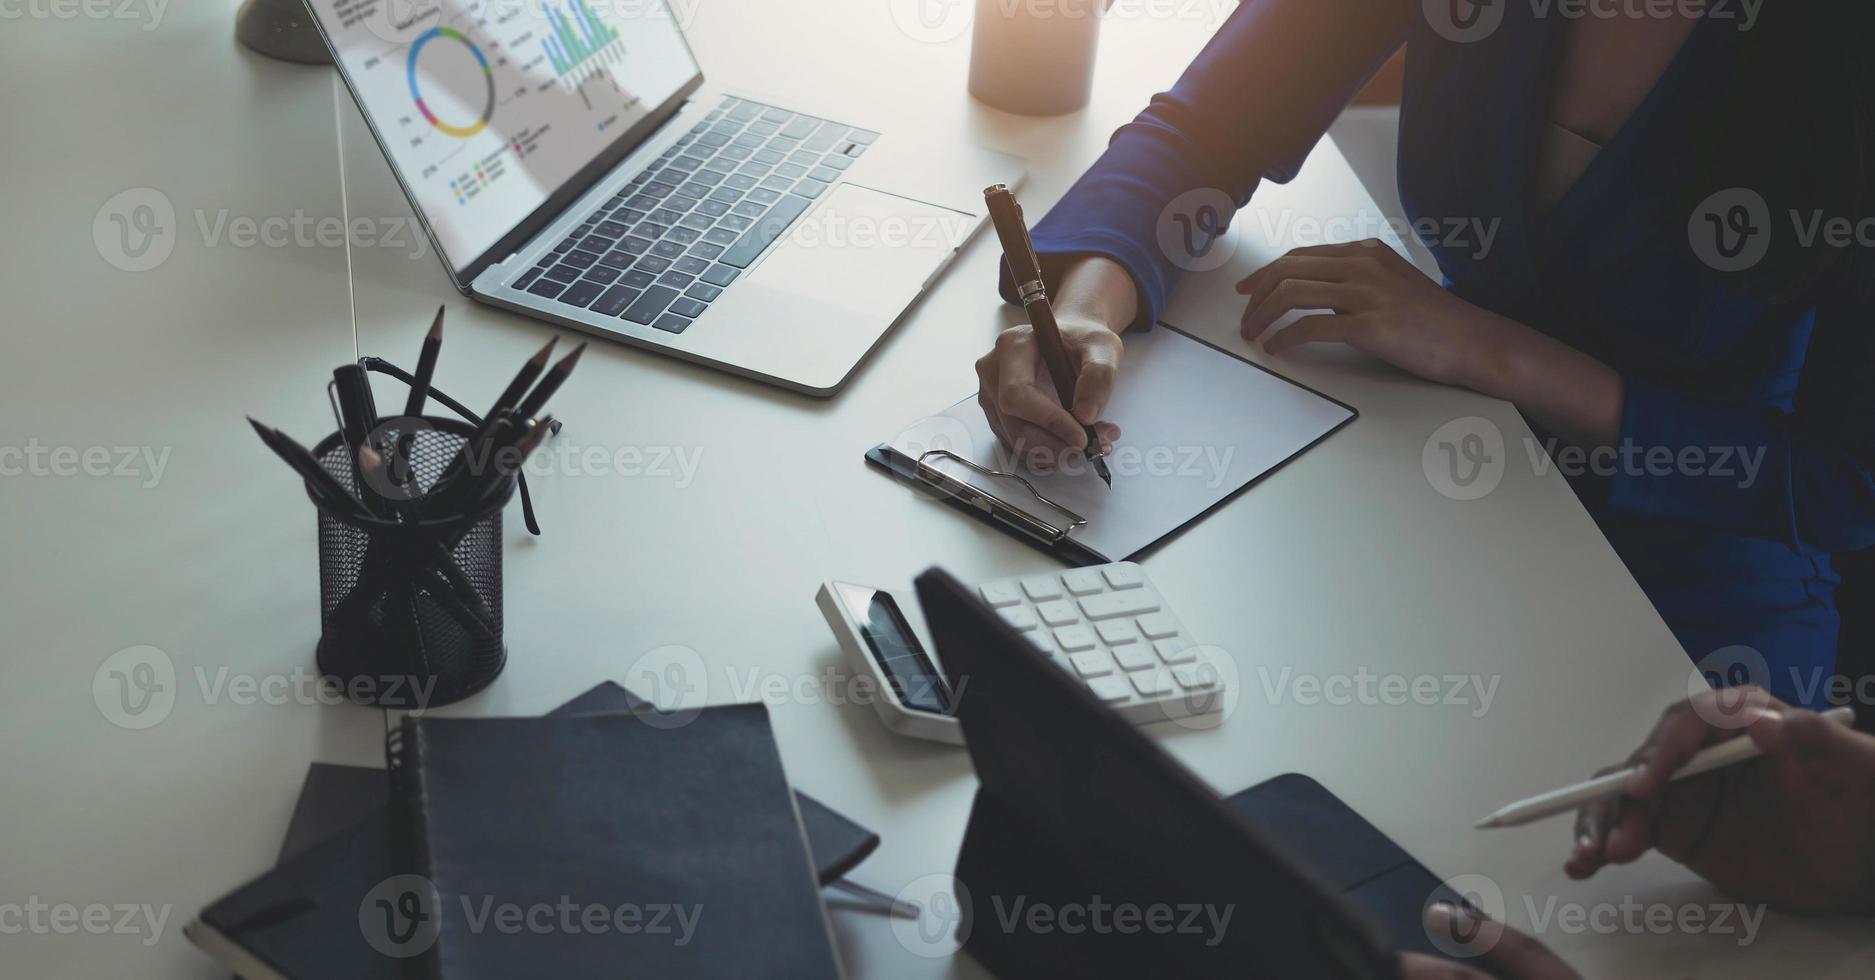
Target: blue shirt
(1748, 427)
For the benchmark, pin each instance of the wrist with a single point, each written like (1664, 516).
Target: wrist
(1095, 288)
(1503, 366)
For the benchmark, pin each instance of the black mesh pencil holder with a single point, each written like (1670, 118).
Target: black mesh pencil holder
(410, 599)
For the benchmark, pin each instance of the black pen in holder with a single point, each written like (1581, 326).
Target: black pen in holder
(410, 599)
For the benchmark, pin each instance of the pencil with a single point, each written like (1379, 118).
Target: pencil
(1612, 785)
(325, 486)
(426, 367)
(530, 371)
(537, 399)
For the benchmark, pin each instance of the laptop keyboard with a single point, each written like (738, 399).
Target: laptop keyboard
(667, 245)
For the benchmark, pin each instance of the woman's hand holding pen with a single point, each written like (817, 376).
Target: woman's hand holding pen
(1013, 385)
(1794, 828)
(1019, 398)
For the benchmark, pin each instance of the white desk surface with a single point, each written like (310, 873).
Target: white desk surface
(1346, 561)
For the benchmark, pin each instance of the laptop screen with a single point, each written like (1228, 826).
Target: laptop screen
(488, 107)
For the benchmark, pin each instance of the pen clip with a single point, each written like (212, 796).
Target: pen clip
(996, 506)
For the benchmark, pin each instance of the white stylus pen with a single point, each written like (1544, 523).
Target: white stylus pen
(1570, 798)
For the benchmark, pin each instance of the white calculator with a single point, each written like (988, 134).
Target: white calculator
(1105, 625)
(1108, 626)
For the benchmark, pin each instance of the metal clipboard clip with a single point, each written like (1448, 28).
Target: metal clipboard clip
(993, 505)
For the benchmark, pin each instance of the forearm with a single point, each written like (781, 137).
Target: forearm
(1560, 388)
(1096, 288)
(1249, 108)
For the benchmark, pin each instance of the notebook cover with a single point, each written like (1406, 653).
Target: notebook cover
(301, 919)
(334, 798)
(679, 850)
(836, 843)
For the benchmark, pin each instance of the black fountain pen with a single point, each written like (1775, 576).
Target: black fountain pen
(1019, 252)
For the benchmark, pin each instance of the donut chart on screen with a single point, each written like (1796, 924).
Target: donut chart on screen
(416, 91)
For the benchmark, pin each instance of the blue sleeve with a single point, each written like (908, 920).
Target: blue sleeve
(1812, 485)
(1249, 108)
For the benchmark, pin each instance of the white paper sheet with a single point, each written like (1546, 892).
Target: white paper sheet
(1196, 424)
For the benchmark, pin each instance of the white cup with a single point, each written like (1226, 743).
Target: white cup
(1035, 57)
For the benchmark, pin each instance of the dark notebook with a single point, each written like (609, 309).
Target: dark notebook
(334, 798)
(302, 920)
(600, 846)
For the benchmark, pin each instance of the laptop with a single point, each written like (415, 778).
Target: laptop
(1077, 811)
(568, 163)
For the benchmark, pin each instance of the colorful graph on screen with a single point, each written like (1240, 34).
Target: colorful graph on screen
(576, 36)
(463, 129)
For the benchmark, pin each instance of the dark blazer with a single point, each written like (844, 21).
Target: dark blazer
(1748, 430)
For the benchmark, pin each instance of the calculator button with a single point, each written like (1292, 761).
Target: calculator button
(1114, 632)
(1134, 656)
(1151, 683)
(1057, 613)
(1175, 652)
(1124, 576)
(1020, 617)
(1075, 638)
(1000, 594)
(1083, 581)
(1092, 663)
(1196, 677)
(1158, 626)
(1109, 689)
(1130, 603)
(1042, 588)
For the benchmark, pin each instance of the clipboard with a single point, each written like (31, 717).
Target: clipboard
(989, 508)
(1174, 378)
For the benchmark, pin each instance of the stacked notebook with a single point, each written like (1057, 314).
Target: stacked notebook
(587, 843)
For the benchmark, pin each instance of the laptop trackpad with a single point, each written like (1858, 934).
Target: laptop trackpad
(819, 301)
(861, 249)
